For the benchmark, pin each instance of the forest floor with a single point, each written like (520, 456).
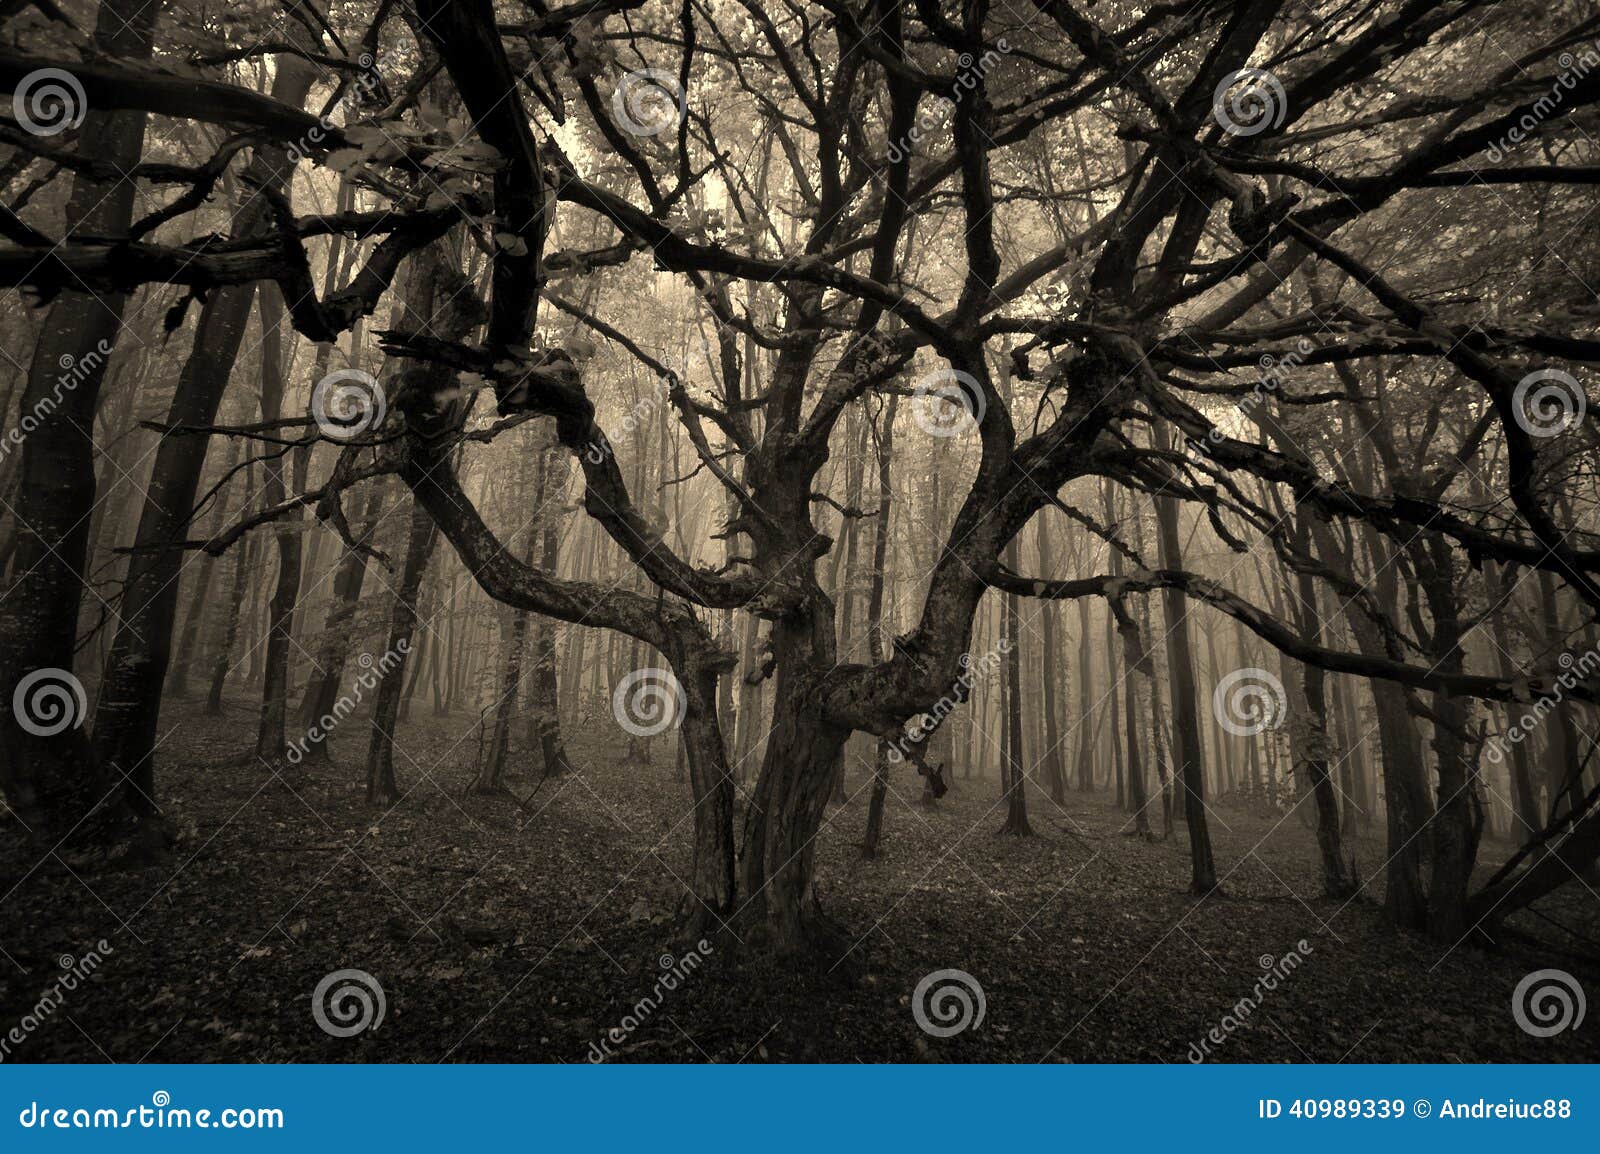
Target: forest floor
(506, 933)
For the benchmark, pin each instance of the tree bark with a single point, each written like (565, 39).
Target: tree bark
(271, 737)
(1336, 882)
(1189, 772)
(189, 639)
(877, 632)
(129, 708)
(53, 780)
(381, 785)
(243, 554)
(339, 626)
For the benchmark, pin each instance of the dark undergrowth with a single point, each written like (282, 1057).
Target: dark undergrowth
(524, 927)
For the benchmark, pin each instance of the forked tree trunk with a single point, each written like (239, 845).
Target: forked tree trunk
(434, 302)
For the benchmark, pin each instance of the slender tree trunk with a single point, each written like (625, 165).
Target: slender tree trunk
(381, 784)
(188, 641)
(543, 690)
(271, 738)
(514, 638)
(1524, 804)
(339, 626)
(1055, 774)
(877, 632)
(1087, 733)
(1458, 814)
(1564, 767)
(222, 665)
(1013, 768)
(1336, 882)
(1190, 771)
(129, 708)
(848, 574)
